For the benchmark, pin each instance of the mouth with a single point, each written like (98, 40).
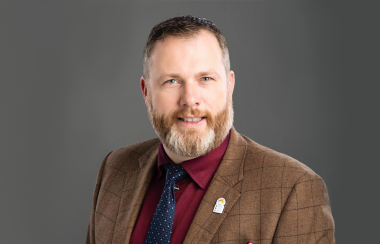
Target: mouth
(193, 120)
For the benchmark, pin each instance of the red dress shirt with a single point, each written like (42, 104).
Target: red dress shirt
(188, 197)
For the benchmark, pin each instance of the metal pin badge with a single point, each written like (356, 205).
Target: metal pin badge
(219, 206)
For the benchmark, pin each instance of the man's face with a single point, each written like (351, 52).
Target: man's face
(189, 94)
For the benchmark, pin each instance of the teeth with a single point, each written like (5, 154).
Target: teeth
(191, 119)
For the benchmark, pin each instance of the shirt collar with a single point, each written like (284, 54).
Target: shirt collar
(200, 169)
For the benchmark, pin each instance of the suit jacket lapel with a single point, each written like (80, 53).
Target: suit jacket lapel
(230, 172)
(133, 195)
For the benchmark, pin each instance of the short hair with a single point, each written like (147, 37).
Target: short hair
(183, 26)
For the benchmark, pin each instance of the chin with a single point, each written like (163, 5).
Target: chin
(190, 131)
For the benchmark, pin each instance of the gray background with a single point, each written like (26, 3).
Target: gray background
(306, 74)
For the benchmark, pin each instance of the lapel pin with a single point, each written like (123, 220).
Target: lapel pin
(251, 242)
(219, 206)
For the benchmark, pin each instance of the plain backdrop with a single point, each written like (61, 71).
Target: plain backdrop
(306, 85)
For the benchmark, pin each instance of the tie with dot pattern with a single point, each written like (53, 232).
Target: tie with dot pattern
(160, 228)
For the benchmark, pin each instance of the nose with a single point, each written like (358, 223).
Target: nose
(190, 95)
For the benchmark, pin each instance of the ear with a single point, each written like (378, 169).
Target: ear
(144, 87)
(231, 80)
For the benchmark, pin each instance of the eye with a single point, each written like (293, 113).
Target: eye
(206, 78)
(172, 81)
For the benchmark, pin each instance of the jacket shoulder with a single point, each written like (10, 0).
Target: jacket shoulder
(127, 158)
(294, 195)
(121, 162)
(276, 166)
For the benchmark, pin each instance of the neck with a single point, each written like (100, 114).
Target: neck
(175, 157)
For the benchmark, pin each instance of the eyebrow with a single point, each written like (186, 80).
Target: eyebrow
(172, 75)
(202, 73)
(208, 73)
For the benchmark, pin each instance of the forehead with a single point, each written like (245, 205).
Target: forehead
(200, 50)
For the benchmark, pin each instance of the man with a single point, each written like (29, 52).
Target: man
(202, 181)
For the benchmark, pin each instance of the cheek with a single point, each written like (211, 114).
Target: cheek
(163, 103)
(217, 100)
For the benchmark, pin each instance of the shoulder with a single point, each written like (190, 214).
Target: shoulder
(124, 160)
(275, 167)
(131, 153)
(294, 194)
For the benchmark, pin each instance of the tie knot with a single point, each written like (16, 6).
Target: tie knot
(175, 172)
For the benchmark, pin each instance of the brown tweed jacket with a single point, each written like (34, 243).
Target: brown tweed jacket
(270, 197)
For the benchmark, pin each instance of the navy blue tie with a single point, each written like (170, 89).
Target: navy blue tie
(160, 228)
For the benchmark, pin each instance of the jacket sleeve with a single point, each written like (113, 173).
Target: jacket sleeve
(306, 217)
(90, 239)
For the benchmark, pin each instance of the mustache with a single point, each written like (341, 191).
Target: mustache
(190, 112)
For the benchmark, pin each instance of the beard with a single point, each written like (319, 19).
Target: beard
(190, 141)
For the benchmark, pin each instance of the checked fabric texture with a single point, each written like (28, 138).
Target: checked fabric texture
(160, 228)
(271, 198)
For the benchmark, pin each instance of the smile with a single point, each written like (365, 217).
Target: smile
(191, 119)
